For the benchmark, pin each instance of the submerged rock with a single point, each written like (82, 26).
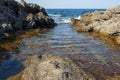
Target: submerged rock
(107, 22)
(4, 56)
(20, 16)
(52, 67)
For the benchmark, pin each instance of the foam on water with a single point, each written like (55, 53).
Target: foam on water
(60, 19)
(66, 20)
(53, 15)
(78, 17)
(64, 15)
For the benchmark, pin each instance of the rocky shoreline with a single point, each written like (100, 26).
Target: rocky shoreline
(19, 16)
(104, 22)
(16, 18)
(51, 67)
(55, 67)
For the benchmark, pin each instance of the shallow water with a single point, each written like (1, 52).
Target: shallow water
(63, 39)
(96, 54)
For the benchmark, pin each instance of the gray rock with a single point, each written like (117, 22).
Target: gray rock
(52, 67)
(23, 3)
(6, 27)
(20, 16)
(107, 22)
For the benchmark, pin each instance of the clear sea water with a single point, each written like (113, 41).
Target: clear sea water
(94, 53)
(64, 15)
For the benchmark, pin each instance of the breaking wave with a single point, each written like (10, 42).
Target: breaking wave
(60, 19)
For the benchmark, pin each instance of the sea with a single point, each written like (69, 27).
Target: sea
(64, 15)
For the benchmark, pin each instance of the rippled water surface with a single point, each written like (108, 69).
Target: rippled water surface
(63, 39)
(96, 54)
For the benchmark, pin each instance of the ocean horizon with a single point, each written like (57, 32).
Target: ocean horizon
(65, 15)
(75, 8)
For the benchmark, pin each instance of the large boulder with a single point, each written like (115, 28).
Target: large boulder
(16, 16)
(105, 22)
(52, 67)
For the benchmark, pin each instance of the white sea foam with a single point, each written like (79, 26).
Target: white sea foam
(78, 17)
(54, 15)
(62, 20)
(59, 19)
(67, 20)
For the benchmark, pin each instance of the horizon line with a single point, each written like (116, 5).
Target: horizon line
(75, 8)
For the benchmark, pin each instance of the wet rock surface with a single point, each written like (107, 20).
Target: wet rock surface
(15, 16)
(106, 22)
(52, 67)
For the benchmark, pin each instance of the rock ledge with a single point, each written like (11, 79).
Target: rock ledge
(52, 67)
(105, 22)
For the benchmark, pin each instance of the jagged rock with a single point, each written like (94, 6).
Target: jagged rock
(7, 27)
(19, 16)
(52, 67)
(33, 8)
(23, 3)
(107, 22)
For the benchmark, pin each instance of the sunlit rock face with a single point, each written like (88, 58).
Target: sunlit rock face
(106, 22)
(52, 67)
